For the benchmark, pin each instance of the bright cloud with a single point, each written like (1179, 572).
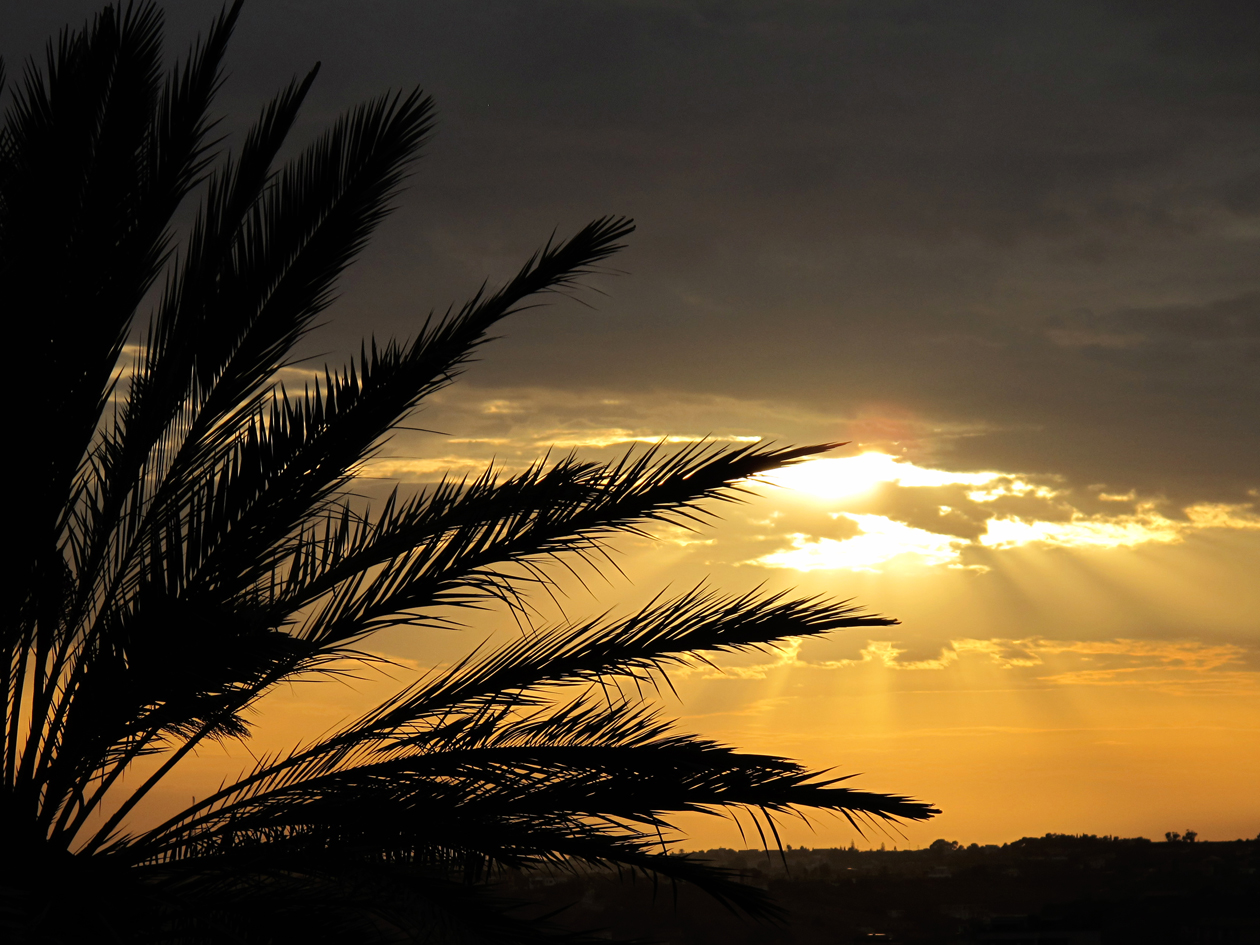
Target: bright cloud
(1008, 511)
(1123, 531)
(881, 539)
(849, 475)
(1217, 515)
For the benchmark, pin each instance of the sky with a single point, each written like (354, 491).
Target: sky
(1006, 250)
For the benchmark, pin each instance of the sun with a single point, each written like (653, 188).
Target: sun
(845, 476)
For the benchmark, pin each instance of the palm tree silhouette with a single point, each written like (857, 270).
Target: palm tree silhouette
(185, 540)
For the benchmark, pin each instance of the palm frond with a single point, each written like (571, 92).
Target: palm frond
(189, 539)
(466, 543)
(666, 631)
(588, 781)
(476, 697)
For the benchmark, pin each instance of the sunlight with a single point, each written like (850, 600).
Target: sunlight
(1053, 521)
(850, 475)
(880, 540)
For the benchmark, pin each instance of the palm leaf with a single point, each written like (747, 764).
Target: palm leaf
(190, 539)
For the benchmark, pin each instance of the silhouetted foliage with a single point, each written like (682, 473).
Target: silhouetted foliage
(185, 540)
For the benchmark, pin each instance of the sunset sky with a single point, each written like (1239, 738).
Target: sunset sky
(1007, 250)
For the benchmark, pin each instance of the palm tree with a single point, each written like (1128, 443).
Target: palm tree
(186, 539)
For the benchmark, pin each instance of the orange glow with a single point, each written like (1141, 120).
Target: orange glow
(1060, 666)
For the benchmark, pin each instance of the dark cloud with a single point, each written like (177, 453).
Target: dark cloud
(1228, 321)
(846, 206)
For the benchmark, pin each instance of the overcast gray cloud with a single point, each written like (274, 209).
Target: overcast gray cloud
(1035, 221)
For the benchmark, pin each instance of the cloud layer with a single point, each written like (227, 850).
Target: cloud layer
(973, 511)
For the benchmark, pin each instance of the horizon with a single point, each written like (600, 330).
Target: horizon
(960, 845)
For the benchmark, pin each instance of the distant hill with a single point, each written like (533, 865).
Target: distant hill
(1068, 890)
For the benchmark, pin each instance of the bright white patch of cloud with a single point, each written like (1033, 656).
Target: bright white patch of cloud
(850, 475)
(881, 539)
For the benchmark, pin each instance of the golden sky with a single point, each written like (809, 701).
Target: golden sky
(1069, 660)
